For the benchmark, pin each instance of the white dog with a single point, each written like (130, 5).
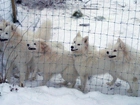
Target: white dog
(88, 61)
(15, 48)
(127, 64)
(15, 52)
(3, 25)
(51, 59)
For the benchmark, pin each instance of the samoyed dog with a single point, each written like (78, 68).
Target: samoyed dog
(51, 58)
(15, 52)
(15, 49)
(3, 25)
(127, 64)
(87, 60)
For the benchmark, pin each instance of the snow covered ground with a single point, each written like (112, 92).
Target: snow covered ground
(122, 19)
(60, 96)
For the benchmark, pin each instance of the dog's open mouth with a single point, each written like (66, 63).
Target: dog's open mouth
(31, 48)
(112, 56)
(74, 49)
(3, 40)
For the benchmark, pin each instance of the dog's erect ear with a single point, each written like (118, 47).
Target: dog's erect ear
(125, 50)
(78, 34)
(118, 40)
(7, 23)
(13, 27)
(121, 44)
(3, 21)
(86, 39)
(44, 46)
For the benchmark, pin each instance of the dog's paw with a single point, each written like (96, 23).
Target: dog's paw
(129, 90)
(63, 84)
(111, 88)
(79, 87)
(21, 84)
(109, 83)
(32, 78)
(71, 85)
(118, 84)
(16, 76)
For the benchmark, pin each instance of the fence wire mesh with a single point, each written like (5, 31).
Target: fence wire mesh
(103, 57)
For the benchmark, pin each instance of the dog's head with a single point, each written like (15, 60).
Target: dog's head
(118, 51)
(80, 44)
(3, 25)
(38, 46)
(8, 33)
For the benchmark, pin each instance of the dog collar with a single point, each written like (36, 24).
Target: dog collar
(38, 55)
(77, 55)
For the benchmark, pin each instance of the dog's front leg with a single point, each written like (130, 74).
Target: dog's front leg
(23, 70)
(34, 73)
(83, 82)
(114, 79)
(9, 68)
(70, 75)
(134, 84)
(46, 77)
(32, 69)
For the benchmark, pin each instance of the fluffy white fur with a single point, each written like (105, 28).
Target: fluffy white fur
(88, 61)
(15, 52)
(51, 58)
(3, 25)
(127, 64)
(15, 48)
(44, 31)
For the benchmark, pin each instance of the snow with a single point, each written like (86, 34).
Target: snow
(121, 20)
(60, 96)
(5, 10)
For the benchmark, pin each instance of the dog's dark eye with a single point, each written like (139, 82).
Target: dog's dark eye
(78, 44)
(27, 44)
(115, 50)
(34, 43)
(6, 33)
(74, 41)
(0, 29)
(107, 52)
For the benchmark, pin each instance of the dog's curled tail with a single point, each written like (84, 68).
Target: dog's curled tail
(58, 45)
(44, 31)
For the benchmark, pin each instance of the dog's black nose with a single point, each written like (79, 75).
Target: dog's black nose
(107, 52)
(72, 47)
(27, 44)
(112, 56)
(32, 48)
